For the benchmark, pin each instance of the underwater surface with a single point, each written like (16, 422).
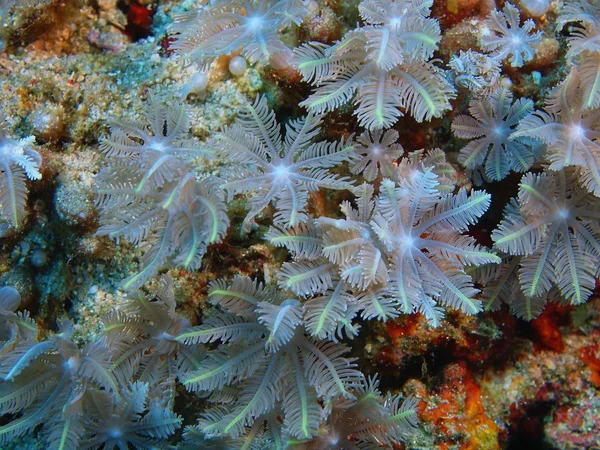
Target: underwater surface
(299, 224)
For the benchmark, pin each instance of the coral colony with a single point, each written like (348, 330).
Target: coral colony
(299, 224)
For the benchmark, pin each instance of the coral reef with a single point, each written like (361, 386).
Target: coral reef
(299, 224)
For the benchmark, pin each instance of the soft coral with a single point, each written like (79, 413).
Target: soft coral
(553, 224)
(571, 132)
(18, 161)
(282, 169)
(149, 196)
(250, 26)
(494, 119)
(386, 63)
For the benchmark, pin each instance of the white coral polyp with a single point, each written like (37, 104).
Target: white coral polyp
(18, 161)
(505, 38)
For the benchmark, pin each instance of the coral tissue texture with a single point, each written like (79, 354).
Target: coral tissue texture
(299, 224)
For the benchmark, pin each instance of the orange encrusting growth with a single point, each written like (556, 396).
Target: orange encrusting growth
(589, 356)
(547, 327)
(460, 411)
